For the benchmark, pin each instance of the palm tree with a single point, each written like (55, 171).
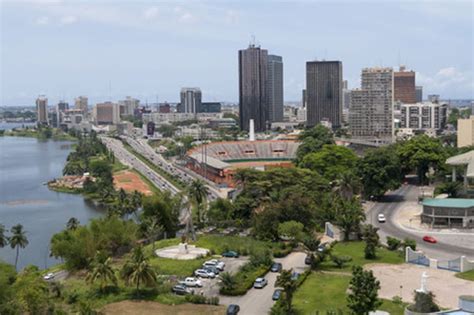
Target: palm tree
(138, 271)
(3, 237)
(136, 199)
(101, 270)
(198, 193)
(18, 240)
(122, 195)
(347, 185)
(289, 287)
(227, 281)
(72, 223)
(153, 231)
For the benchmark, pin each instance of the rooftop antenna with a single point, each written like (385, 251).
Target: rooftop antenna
(252, 41)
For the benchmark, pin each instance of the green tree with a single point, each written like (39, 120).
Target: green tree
(312, 140)
(424, 303)
(363, 296)
(421, 153)
(31, 292)
(331, 161)
(380, 171)
(197, 192)
(153, 231)
(371, 238)
(164, 208)
(393, 243)
(101, 270)
(3, 237)
(340, 261)
(349, 215)
(72, 223)
(347, 184)
(292, 230)
(138, 271)
(289, 287)
(228, 281)
(451, 188)
(18, 240)
(220, 210)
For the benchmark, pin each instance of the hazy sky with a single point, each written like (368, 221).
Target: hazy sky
(150, 49)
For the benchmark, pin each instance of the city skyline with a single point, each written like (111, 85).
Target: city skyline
(168, 46)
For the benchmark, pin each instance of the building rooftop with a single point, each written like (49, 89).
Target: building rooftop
(449, 203)
(463, 159)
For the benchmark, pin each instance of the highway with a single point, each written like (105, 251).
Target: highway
(447, 246)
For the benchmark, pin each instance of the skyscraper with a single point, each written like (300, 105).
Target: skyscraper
(371, 110)
(42, 110)
(419, 93)
(191, 99)
(81, 103)
(128, 106)
(275, 88)
(253, 100)
(324, 92)
(404, 86)
(107, 113)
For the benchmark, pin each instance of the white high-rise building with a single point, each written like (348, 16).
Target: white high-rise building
(371, 109)
(190, 100)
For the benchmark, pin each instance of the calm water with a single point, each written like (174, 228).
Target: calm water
(25, 165)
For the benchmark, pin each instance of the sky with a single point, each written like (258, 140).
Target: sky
(151, 49)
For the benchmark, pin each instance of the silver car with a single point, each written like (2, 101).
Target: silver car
(260, 283)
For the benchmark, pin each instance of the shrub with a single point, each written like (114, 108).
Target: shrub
(408, 242)
(339, 261)
(244, 279)
(393, 243)
(424, 303)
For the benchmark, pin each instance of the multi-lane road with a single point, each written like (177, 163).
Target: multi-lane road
(450, 244)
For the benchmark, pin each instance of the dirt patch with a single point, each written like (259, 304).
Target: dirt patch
(402, 280)
(130, 182)
(146, 307)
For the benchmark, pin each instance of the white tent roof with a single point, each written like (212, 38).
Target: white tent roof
(463, 159)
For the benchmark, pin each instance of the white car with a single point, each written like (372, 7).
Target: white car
(204, 273)
(214, 263)
(381, 218)
(192, 282)
(260, 283)
(49, 276)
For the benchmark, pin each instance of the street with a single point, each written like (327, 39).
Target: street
(448, 246)
(259, 301)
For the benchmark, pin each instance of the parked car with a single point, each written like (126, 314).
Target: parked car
(429, 239)
(276, 295)
(180, 289)
(214, 263)
(48, 276)
(307, 259)
(276, 267)
(322, 247)
(295, 275)
(203, 273)
(230, 254)
(381, 218)
(233, 309)
(192, 282)
(212, 269)
(260, 283)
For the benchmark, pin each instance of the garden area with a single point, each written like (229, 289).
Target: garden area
(467, 275)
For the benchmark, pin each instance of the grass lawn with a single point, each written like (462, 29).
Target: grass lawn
(467, 275)
(182, 268)
(144, 307)
(327, 292)
(356, 251)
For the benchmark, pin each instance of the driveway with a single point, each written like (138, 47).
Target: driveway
(259, 301)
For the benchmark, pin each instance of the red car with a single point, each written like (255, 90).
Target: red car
(429, 239)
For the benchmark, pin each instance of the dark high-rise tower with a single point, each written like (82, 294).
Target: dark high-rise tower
(253, 100)
(324, 92)
(275, 88)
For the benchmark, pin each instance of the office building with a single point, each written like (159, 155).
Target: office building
(81, 103)
(128, 106)
(190, 100)
(466, 132)
(419, 94)
(324, 92)
(371, 110)
(210, 107)
(42, 110)
(433, 98)
(62, 106)
(253, 100)
(275, 88)
(304, 99)
(164, 108)
(423, 116)
(404, 86)
(106, 113)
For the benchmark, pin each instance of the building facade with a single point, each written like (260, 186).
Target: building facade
(81, 103)
(210, 107)
(253, 99)
(106, 113)
(450, 213)
(324, 92)
(190, 100)
(371, 110)
(424, 116)
(466, 132)
(128, 106)
(275, 88)
(42, 110)
(404, 86)
(419, 93)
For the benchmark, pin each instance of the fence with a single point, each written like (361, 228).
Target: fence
(416, 257)
(459, 264)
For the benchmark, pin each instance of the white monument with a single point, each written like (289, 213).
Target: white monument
(251, 130)
(424, 280)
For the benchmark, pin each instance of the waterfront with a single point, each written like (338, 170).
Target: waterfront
(25, 165)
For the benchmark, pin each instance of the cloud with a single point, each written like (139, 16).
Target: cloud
(42, 20)
(446, 81)
(68, 19)
(151, 13)
(186, 18)
(231, 17)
